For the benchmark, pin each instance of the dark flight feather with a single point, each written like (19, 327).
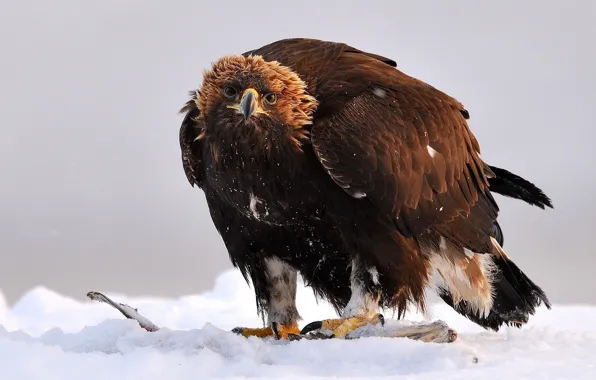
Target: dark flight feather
(513, 186)
(190, 148)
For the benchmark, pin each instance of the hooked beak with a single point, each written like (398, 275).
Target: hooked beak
(249, 103)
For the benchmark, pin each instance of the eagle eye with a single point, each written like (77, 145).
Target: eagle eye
(270, 98)
(230, 91)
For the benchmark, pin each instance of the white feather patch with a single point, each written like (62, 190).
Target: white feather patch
(431, 151)
(445, 274)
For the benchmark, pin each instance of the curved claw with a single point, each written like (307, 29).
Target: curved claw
(282, 332)
(275, 329)
(293, 337)
(317, 325)
(315, 336)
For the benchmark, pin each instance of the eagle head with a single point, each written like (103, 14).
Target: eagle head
(249, 95)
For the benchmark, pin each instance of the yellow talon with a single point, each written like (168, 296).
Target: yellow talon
(340, 328)
(350, 324)
(264, 332)
(331, 324)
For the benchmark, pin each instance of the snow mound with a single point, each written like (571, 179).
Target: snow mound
(46, 335)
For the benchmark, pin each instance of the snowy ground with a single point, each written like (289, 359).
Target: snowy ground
(48, 336)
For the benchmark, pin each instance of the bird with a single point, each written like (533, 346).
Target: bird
(326, 161)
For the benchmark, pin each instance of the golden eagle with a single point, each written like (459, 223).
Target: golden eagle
(321, 159)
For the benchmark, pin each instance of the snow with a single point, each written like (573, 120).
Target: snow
(49, 336)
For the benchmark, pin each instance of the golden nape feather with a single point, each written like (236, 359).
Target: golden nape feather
(294, 107)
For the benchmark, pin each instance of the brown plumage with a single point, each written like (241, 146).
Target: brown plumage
(320, 158)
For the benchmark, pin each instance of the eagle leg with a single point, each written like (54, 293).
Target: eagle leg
(361, 310)
(360, 317)
(279, 298)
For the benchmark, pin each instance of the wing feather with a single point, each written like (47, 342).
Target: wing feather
(410, 151)
(190, 143)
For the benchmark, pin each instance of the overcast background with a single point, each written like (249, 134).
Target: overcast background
(92, 191)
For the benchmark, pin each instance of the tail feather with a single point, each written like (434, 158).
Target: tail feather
(515, 298)
(498, 233)
(511, 185)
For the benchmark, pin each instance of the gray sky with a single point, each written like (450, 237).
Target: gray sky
(93, 195)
